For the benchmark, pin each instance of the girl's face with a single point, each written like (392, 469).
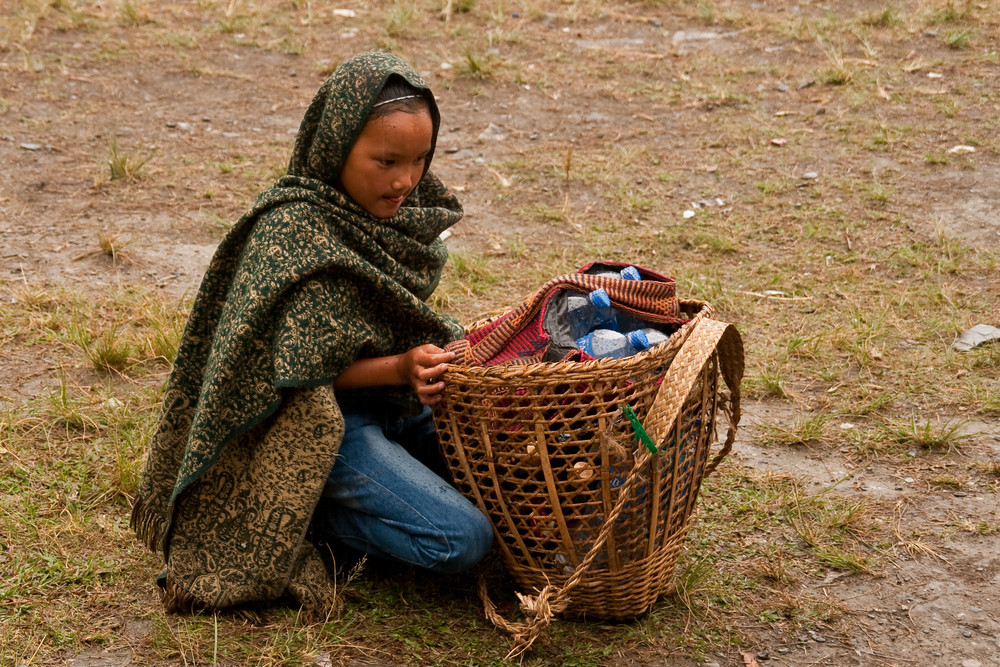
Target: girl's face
(387, 161)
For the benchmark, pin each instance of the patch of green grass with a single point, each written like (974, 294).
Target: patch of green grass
(888, 17)
(400, 16)
(123, 165)
(839, 72)
(927, 434)
(959, 39)
(948, 11)
(878, 193)
(133, 13)
(983, 394)
(291, 47)
(804, 430)
(109, 350)
(707, 12)
(183, 40)
(470, 272)
(715, 244)
(477, 66)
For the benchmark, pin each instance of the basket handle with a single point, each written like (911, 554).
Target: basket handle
(706, 336)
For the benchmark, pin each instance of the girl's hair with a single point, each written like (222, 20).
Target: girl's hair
(398, 95)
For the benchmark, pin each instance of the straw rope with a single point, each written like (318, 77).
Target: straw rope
(705, 338)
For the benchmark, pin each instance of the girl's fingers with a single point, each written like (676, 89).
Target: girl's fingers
(432, 374)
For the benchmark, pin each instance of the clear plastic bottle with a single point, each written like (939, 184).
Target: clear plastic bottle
(602, 343)
(587, 312)
(628, 273)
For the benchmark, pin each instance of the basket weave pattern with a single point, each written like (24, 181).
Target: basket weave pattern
(545, 451)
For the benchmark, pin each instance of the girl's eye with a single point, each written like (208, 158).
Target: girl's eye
(386, 163)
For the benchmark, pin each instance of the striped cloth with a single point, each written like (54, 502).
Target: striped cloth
(519, 337)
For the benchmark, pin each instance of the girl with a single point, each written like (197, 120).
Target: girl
(300, 390)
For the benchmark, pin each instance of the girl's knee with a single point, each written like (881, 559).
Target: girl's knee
(468, 545)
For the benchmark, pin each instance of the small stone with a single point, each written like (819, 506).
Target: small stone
(171, 123)
(818, 639)
(534, 137)
(976, 610)
(810, 175)
(31, 147)
(966, 634)
(908, 480)
(960, 494)
(493, 132)
(806, 84)
(451, 150)
(782, 650)
(763, 655)
(971, 663)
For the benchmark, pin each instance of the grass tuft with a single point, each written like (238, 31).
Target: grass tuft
(936, 437)
(805, 430)
(123, 165)
(401, 14)
(477, 66)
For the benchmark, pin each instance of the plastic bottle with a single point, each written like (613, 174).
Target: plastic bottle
(628, 273)
(606, 343)
(587, 312)
(645, 338)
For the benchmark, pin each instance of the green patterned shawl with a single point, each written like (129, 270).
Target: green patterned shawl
(306, 282)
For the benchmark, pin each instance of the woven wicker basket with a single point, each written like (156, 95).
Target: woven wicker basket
(547, 452)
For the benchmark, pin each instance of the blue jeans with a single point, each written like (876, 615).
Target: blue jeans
(382, 499)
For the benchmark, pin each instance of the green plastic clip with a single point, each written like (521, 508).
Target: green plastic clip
(640, 432)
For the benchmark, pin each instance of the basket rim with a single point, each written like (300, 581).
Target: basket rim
(552, 368)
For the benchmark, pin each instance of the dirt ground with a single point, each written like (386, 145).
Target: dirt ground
(216, 119)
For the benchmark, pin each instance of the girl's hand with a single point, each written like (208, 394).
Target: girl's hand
(421, 368)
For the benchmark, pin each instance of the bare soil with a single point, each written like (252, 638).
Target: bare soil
(216, 119)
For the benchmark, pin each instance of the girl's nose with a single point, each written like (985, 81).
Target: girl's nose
(403, 180)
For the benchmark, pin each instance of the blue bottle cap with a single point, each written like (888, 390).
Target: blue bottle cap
(631, 273)
(600, 299)
(638, 339)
